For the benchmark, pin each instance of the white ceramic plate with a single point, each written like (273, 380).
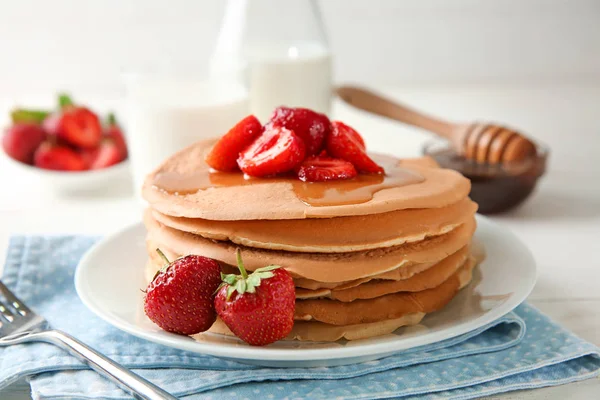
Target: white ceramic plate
(501, 282)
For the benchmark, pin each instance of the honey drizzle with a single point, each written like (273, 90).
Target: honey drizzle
(315, 194)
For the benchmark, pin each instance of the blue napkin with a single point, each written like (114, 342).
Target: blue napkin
(524, 349)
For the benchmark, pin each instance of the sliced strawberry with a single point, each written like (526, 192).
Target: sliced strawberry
(323, 168)
(76, 125)
(276, 151)
(106, 155)
(224, 154)
(311, 126)
(345, 143)
(57, 157)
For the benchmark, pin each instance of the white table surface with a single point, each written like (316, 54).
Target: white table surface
(560, 223)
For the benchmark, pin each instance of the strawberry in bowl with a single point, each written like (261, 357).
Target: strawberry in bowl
(68, 148)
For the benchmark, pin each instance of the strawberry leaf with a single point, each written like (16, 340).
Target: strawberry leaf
(241, 286)
(28, 116)
(267, 268)
(230, 278)
(64, 100)
(263, 275)
(253, 280)
(245, 283)
(230, 291)
(111, 119)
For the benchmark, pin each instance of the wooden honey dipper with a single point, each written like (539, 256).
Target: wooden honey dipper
(484, 143)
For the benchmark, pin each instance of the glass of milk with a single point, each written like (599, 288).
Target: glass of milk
(168, 112)
(284, 52)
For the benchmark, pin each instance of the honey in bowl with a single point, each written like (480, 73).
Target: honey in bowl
(494, 187)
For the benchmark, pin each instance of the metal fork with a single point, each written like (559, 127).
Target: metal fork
(18, 324)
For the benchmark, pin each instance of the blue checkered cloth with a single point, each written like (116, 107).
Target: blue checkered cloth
(521, 350)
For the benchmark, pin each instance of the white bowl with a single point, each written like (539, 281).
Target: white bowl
(69, 181)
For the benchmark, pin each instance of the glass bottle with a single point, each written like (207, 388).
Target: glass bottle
(279, 50)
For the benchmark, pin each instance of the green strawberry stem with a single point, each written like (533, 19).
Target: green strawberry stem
(64, 100)
(165, 267)
(111, 119)
(23, 116)
(245, 283)
(240, 263)
(162, 255)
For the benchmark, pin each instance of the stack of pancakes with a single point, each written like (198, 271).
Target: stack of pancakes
(361, 268)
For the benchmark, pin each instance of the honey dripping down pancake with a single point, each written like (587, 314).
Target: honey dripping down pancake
(184, 186)
(322, 267)
(327, 235)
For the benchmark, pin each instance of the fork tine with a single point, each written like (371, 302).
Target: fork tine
(14, 301)
(6, 314)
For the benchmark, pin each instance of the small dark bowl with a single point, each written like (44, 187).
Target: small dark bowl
(495, 188)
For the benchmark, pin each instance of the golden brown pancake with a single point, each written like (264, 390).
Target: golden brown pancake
(334, 267)
(368, 289)
(427, 279)
(390, 306)
(397, 274)
(367, 255)
(321, 332)
(330, 235)
(156, 262)
(276, 199)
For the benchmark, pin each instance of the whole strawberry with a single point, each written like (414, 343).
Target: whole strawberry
(21, 140)
(180, 298)
(258, 308)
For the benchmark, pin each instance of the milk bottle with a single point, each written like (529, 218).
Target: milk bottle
(278, 50)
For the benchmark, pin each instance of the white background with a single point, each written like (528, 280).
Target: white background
(532, 64)
(85, 44)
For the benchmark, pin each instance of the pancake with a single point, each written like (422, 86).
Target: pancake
(390, 306)
(156, 262)
(319, 332)
(333, 267)
(368, 289)
(330, 235)
(278, 199)
(397, 274)
(430, 278)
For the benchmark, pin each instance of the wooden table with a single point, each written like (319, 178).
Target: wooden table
(560, 223)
